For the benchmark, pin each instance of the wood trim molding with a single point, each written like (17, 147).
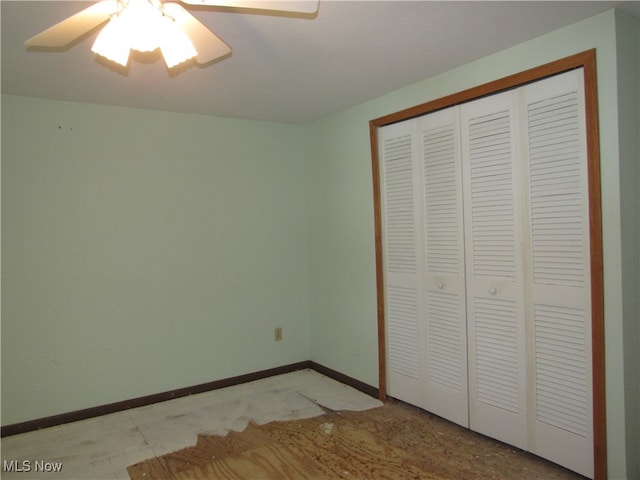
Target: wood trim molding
(586, 60)
(342, 378)
(512, 81)
(146, 400)
(86, 413)
(382, 343)
(597, 267)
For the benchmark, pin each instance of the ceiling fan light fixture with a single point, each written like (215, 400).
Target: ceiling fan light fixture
(142, 25)
(148, 25)
(176, 46)
(112, 43)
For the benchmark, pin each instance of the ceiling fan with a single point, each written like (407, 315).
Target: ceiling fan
(146, 25)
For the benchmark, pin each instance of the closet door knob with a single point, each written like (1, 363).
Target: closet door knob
(439, 285)
(493, 291)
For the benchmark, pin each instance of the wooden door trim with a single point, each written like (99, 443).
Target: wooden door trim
(587, 61)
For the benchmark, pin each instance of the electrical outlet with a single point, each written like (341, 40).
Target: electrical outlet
(277, 334)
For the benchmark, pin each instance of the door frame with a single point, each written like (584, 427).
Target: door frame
(587, 61)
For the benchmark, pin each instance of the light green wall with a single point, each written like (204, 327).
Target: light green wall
(341, 229)
(628, 43)
(144, 251)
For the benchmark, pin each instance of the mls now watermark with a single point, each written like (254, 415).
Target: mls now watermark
(31, 466)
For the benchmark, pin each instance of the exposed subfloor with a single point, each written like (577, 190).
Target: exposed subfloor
(394, 441)
(103, 447)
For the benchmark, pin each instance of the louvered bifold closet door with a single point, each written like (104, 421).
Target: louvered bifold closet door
(444, 324)
(494, 269)
(560, 306)
(401, 260)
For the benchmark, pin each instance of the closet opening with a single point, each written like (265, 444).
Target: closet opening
(586, 62)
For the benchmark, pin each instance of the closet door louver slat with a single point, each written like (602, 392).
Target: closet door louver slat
(403, 331)
(561, 392)
(556, 191)
(491, 182)
(496, 366)
(399, 205)
(441, 199)
(444, 340)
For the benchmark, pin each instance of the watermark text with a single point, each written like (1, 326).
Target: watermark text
(40, 466)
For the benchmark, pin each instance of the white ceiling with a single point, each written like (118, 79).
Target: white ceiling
(283, 69)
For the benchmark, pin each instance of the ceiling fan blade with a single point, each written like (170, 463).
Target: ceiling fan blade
(294, 6)
(208, 45)
(65, 32)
